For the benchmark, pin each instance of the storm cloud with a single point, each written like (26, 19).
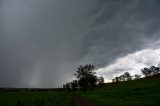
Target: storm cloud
(42, 42)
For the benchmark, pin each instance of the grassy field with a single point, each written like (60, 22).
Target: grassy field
(142, 92)
(34, 99)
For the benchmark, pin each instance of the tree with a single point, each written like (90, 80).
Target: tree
(146, 72)
(86, 76)
(122, 78)
(154, 70)
(157, 70)
(91, 81)
(64, 87)
(74, 85)
(100, 80)
(113, 80)
(68, 86)
(137, 76)
(127, 76)
(117, 79)
(150, 71)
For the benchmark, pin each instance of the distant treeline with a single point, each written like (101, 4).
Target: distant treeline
(29, 89)
(147, 72)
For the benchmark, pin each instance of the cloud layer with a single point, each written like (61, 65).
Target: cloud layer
(42, 42)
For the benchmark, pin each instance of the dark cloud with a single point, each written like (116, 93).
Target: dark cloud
(42, 42)
(120, 28)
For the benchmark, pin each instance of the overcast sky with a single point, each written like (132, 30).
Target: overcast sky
(42, 42)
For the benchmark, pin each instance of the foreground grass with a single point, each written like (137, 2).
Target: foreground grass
(34, 99)
(143, 92)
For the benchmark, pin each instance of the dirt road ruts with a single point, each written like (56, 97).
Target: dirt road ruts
(80, 101)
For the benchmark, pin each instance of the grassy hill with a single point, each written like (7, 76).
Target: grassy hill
(142, 92)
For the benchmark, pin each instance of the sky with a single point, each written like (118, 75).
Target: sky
(42, 42)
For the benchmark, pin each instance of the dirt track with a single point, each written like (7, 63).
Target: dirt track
(80, 101)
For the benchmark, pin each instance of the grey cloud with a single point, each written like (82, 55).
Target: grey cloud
(122, 27)
(38, 38)
(42, 42)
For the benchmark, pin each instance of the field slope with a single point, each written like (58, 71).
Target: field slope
(142, 92)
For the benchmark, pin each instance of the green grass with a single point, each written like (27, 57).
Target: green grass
(34, 99)
(143, 92)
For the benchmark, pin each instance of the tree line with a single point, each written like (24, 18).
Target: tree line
(153, 70)
(87, 79)
(126, 77)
